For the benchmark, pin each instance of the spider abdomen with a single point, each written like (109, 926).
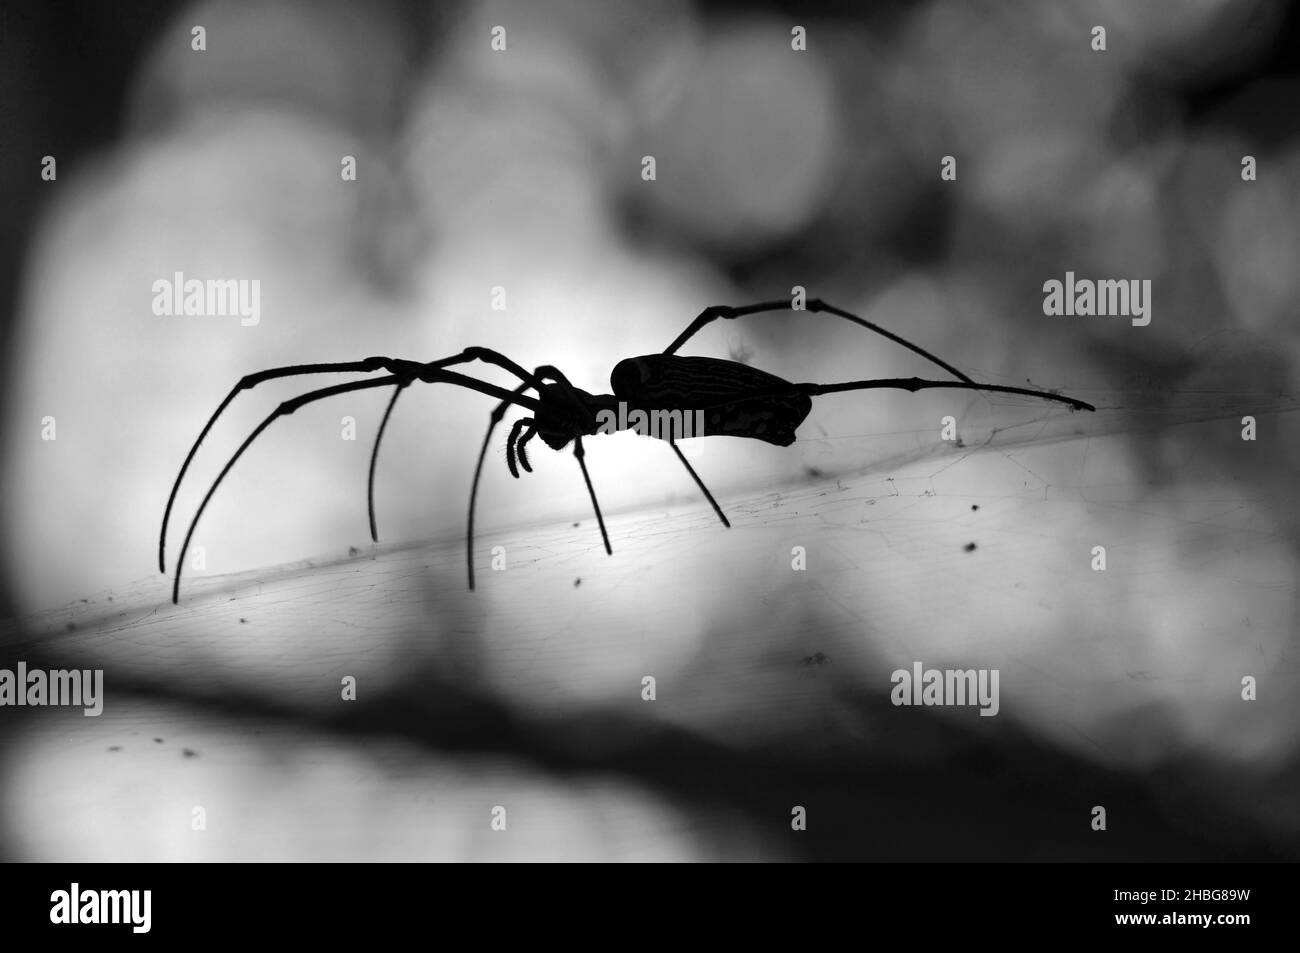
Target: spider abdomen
(736, 400)
(772, 420)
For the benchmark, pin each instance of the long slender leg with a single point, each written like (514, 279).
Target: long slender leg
(591, 491)
(700, 483)
(899, 383)
(484, 354)
(374, 458)
(708, 315)
(915, 383)
(493, 419)
(394, 366)
(288, 407)
(246, 383)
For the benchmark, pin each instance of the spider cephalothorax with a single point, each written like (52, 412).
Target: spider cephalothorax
(728, 398)
(564, 413)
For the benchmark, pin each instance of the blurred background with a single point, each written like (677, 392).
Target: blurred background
(501, 200)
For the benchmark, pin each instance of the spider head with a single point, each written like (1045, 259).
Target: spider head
(566, 413)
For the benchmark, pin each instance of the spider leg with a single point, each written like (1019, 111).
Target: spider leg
(709, 315)
(397, 367)
(286, 408)
(374, 458)
(248, 382)
(581, 455)
(493, 419)
(899, 383)
(700, 483)
(484, 354)
(915, 384)
(289, 406)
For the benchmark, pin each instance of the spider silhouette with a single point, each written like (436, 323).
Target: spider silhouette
(732, 399)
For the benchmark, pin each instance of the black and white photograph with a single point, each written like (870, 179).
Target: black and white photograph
(611, 431)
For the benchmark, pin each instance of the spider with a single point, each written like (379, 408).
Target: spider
(732, 399)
